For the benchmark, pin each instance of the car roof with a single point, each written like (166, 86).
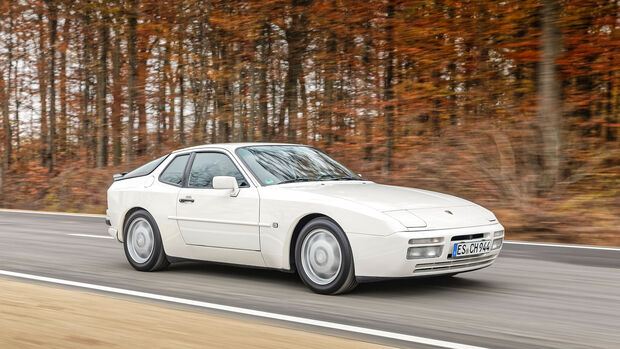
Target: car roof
(230, 146)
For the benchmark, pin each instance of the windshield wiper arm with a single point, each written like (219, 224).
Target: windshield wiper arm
(335, 178)
(293, 180)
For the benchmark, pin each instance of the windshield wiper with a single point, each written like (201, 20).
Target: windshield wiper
(324, 177)
(297, 180)
(335, 178)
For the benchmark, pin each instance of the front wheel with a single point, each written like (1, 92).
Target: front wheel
(143, 247)
(324, 259)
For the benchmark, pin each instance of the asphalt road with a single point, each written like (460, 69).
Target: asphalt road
(532, 297)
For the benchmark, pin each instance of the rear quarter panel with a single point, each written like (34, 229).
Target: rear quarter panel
(157, 198)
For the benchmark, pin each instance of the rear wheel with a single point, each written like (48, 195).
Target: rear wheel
(143, 247)
(324, 259)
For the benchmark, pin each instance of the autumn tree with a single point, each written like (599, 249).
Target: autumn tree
(515, 101)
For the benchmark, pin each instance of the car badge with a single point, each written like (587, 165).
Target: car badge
(448, 212)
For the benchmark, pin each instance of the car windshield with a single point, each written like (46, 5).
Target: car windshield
(279, 164)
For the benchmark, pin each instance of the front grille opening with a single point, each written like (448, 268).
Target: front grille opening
(467, 237)
(482, 261)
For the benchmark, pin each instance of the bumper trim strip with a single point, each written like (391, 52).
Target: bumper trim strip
(455, 264)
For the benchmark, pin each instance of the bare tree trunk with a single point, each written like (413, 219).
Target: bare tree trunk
(368, 65)
(161, 133)
(2, 179)
(62, 125)
(85, 135)
(132, 53)
(222, 92)
(197, 104)
(181, 72)
(117, 98)
(263, 102)
(296, 47)
(53, 24)
(252, 102)
(41, 70)
(6, 126)
(274, 93)
(6, 123)
(102, 82)
(239, 105)
(16, 90)
(141, 101)
(181, 99)
(340, 116)
(327, 115)
(199, 81)
(550, 104)
(5, 99)
(169, 85)
(614, 105)
(388, 92)
(304, 109)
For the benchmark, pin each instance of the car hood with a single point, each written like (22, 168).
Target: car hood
(379, 196)
(432, 207)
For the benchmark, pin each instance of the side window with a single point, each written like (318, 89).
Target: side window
(173, 174)
(208, 165)
(145, 169)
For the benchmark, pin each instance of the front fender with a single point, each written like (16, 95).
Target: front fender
(281, 212)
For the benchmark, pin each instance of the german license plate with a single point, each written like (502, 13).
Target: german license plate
(472, 248)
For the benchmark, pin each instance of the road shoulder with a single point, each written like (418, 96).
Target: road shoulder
(32, 315)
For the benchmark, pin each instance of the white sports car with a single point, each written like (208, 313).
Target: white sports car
(293, 208)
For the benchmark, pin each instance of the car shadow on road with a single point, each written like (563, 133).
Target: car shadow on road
(235, 272)
(391, 287)
(421, 286)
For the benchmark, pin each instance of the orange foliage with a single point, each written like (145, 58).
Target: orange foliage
(442, 95)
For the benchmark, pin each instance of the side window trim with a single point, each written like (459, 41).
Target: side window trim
(247, 175)
(188, 169)
(184, 170)
(190, 163)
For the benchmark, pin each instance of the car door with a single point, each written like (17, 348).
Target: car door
(212, 217)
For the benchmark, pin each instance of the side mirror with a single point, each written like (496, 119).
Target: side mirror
(226, 182)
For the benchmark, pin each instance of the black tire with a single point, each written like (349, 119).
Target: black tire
(157, 259)
(345, 279)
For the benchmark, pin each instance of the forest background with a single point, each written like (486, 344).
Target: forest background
(511, 104)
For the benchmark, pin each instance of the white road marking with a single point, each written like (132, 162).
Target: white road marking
(53, 213)
(245, 311)
(547, 244)
(93, 236)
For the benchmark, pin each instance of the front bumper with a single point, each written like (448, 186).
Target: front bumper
(386, 256)
(112, 231)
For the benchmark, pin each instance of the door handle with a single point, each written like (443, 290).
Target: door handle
(186, 200)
